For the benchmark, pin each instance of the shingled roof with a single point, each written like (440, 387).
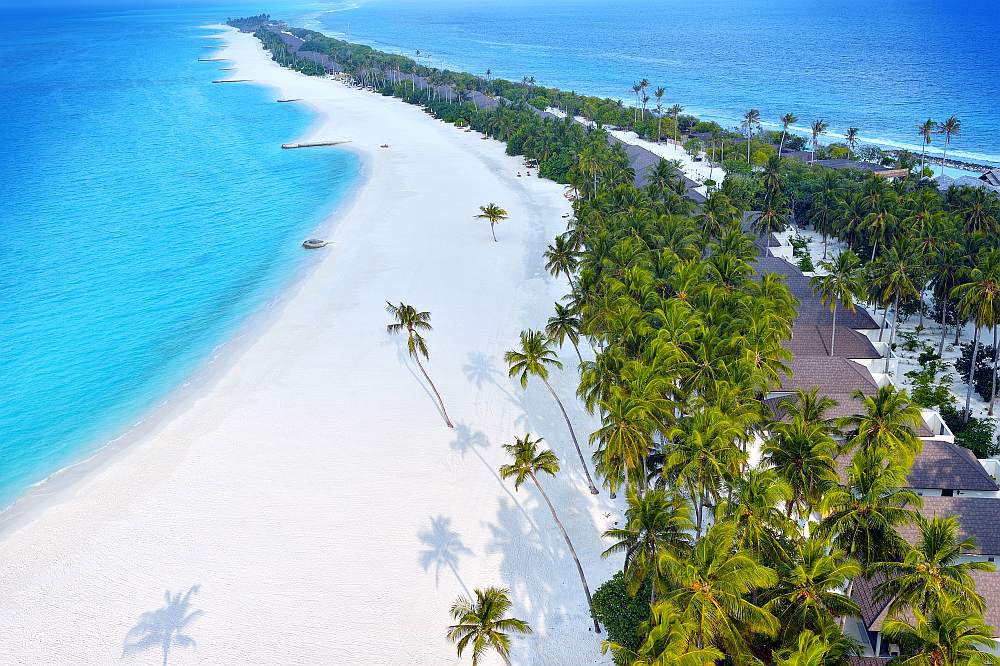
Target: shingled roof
(978, 516)
(832, 375)
(874, 614)
(948, 466)
(814, 340)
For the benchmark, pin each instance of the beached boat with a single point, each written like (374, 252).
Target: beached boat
(314, 243)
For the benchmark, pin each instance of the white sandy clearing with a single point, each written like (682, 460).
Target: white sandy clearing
(299, 487)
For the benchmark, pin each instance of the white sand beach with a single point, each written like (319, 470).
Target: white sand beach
(310, 488)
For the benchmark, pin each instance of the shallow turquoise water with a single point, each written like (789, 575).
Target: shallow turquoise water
(145, 214)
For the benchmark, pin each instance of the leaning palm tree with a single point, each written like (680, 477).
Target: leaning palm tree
(660, 91)
(843, 282)
(565, 325)
(948, 636)
(932, 571)
(898, 270)
(751, 119)
(654, 522)
(978, 299)
(818, 127)
(927, 130)
(533, 359)
(851, 137)
(949, 128)
(165, 626)
(561, 258)
(483, 624)
(528, 463)
(409, 319)
(494, 214)
(787, 121)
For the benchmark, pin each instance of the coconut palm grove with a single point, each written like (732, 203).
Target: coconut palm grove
(778, 511)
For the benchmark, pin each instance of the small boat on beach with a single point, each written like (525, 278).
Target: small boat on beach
(314, 243)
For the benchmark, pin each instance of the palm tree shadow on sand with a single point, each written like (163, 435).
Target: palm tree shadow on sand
(467, 439)
(481, 369)
(444, 548)
(164, 627)
(404, 359)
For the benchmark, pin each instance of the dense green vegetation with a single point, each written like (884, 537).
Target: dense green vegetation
(724, 559)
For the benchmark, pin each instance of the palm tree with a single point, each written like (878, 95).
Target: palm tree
(818, 127)
(675, 111)
(658, 94)
(978, 299)
(533, 359)
(668, 639)
(494, 214)
(844, 282)
(862, 516)
(165, 626)
(787, 121)
(809, 650)
(654, 522)
(751, 119)
(851, 136)
(897, 282)
(409, 319)
(927, 130)
(712, 587)
(885, 425)
(802, 455)
(753, 508)
(932, 572)
(947, 636)
(808, 594)
(528, 463)
(561, 258)
(564, 325)
(949, 128)
(483, 624)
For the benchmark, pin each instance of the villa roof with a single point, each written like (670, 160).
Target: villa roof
(832, 375)
(940, 465)
(867, 661)
(945, 465)
(814, 340)
(978, 516)
(991, 177)
(874, 613)
(847, 405)
(854, 164)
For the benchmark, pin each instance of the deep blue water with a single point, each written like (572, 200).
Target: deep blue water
(879, 66)
(144, 214)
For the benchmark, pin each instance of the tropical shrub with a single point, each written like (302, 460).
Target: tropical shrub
(620, 613)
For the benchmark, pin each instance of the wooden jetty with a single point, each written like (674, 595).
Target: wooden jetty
(295, 99)
(230, 80)
(311, 144)
(213, 60)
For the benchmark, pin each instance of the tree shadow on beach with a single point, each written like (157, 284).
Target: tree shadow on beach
(443, 548)
(482, 369)
(467, 439)
(164, 627)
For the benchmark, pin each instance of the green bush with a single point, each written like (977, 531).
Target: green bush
(621, 614)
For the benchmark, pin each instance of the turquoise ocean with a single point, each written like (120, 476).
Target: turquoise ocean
(145, 213)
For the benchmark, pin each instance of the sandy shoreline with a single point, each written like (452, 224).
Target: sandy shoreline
(310, 488)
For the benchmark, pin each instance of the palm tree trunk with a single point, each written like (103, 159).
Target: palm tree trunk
(833, 329)
(590, 482)
(972, 368)
(874, 245)
(892, 333)
(434, 388)
(493, 229)
(572, 550)
(781, 144)
(944, 325)
(993, 390)
(885, 315)
(576, 348)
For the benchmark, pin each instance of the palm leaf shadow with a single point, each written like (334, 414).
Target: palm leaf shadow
(163, 627)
